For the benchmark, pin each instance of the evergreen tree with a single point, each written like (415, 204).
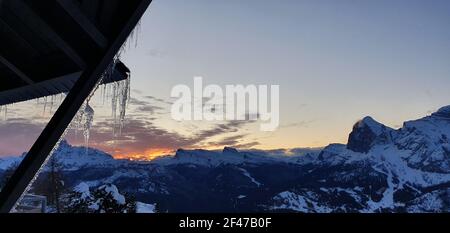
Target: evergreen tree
(107, 202)
(75, 203)
(56, 186)
(131, 206)
(104, 199)
(50, 183)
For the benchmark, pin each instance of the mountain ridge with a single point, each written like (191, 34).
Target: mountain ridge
(381, 170)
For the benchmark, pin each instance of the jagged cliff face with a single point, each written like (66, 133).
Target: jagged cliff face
(380, 170)
(426, 140)
(365, 133)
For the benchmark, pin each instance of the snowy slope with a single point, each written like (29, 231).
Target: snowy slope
(380, 169)
(71, 158)
(74, 158)
(411, 166)
(7, 162)
(215, 158)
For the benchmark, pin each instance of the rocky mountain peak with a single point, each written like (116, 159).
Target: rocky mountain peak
(364, 134)
(229, 150)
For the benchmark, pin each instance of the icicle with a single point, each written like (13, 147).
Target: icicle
(87, 124)
(134, 36)
(83, 122)
(120, 95)
(52, 99)
(119, 92)
(4, 109)
(76, 122)
(84, 118)
(45, 105)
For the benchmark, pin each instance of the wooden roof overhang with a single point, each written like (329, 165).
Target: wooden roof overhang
(53, 46)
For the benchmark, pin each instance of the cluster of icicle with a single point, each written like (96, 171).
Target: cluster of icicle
(119, 92)
(49, 102)
(119, 95)
(83, 122)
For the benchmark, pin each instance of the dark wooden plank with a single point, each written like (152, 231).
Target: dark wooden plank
(33, 19)
(16, 70)
(74, 11)
(106, 13)
(90, 8)
(55, 86)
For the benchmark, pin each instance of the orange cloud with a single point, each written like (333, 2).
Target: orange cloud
(148, 154)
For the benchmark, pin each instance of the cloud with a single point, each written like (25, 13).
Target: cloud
(18, 135)
(136, 137)
(228, 141)
(137, 91)
(232, 140)
(137, 102)
(247, 145)
(223, 131)
(157, 53)
(297, 124)
(223, 128)
(140, 133)
(158, 99)
(151, 109)
(145, 106)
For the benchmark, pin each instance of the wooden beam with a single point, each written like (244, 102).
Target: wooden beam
(74, 11)
(90, 8)
(17, 38)
(63, 84)
(36, 22)
(16, 70)
(107, 11)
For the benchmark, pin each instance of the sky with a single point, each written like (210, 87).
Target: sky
(335, 62)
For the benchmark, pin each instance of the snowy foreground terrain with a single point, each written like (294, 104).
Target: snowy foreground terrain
(379, 170)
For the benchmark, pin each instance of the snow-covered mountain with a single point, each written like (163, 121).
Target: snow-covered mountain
(76, 158)
(8, 161)
(227, 156)
(380, 169)
(70, 158)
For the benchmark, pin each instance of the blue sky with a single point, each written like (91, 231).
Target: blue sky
(335, 62)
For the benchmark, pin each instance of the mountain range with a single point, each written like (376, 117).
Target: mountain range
(380, 169)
